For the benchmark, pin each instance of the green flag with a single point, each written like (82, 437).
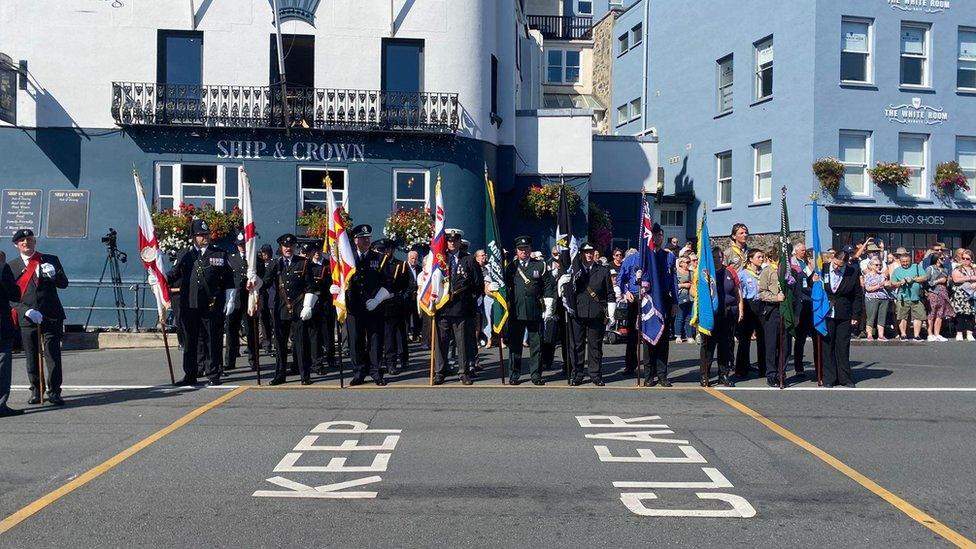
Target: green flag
(785, 251)
(495, 267)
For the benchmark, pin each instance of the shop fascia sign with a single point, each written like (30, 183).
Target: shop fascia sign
(924, 6)
(916, 113)
(918, 220)
(303, 151)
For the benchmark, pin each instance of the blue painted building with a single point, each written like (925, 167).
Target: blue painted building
(744, 96)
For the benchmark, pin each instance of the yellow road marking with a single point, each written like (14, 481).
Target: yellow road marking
(98, 470)
(914, 512)
(528, 387)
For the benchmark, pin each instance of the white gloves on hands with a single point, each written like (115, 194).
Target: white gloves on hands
(561, 284)
(550, 308)
(34, 315)
(310, 300)
(47, 270)
(231, 305)
(380, 297)
(334, 289)
(254, 283)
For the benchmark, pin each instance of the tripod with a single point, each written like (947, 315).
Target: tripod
(112, 260)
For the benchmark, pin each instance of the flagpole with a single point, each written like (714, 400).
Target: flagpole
(285, 117)
(40, 362)
(637, 334)
(169, 359)
(433, 339)
(256, 350)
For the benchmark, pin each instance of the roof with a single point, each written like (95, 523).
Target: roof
(571, 101)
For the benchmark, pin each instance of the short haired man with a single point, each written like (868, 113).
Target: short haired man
(735, 254)
(531, 301)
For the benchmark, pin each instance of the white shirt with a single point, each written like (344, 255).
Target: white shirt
(26, 260)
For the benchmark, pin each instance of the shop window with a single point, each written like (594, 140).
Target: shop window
(966, 156)
(966, 72)
(763, 172)
(914, 54)
(312, 191)
(723, 163)
(855, 56)
(912, 149)
(724, 94)
(199, 185)
(411, 189)
(764, 69)
(854, 152)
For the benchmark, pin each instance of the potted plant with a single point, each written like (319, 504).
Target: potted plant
(829, 172)
(542, 201)
(890, 174)
(173, 229)
(601, 227)
(316, 221)
(949, 179)
(410, 228)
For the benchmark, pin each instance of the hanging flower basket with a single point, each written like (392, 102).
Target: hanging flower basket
(601, 227)
(316, 222)
(542, 202)
(829, 172)
(410, 228)
(949, 179)
(890, 174)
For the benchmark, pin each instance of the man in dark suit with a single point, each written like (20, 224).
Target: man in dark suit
(292, 276)
(39, 277)
(207, 292)
(232, 323)
(587, 287)
(368, 288)
(841, 286)
(656, 357)
(9, 291)
(531, 294)
(465, 285)
(414, 322)
(321, 329)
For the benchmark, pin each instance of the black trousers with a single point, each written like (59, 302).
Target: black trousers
(457, 328)
(771, 336)
(630, 353)
(721, 341)
(52, 330)
(588, 339)
(202, 330)
(414, 323)
(395, 344)
(292, 331)
(365, 334)
(751, 324)
(802, 331)
(553, 334)
(655, 360)
(267, 326)
(320, 330)
(232, 335)
(837, 353)
(517, 331)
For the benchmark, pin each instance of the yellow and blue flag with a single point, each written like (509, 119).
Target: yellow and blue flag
(821, 307)
(706, 297)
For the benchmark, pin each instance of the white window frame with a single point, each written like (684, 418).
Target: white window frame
(341, 196)
(960, 59)
(869, 44)
(758, 69)
(925, 56)
(923, 169)
(636, 109)
(576, 8)
(863, 165)
(623, 43)
(623, 114)
(637, 35)
(564, 67)
(220, 196)
(719, 180)
(426, 173)
(756, 199)
(970, 172)
(730, 59)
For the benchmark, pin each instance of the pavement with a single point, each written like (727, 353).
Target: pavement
(132, 461)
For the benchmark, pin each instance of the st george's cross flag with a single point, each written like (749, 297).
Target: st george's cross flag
(149, 252)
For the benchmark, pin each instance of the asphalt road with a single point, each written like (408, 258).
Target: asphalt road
(494, 466)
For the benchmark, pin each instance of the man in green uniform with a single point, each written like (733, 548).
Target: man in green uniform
(531, 301)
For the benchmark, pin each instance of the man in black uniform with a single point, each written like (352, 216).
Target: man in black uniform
(396, 354)
(587, 286)
(291, 276)
(530, 303)
(39, 311)
(554, 329)
(265, 257)
(320, 329)
(208, 293)
(413, 311)
(232, 324)
(465, 285)
(367, 289)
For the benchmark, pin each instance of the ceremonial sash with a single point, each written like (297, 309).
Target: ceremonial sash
(26, 277)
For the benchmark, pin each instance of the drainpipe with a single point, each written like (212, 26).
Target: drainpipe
(644, 42)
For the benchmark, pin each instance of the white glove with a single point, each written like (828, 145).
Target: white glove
(152, 280)
(34, 315)
(334, 289)
(382, 295)
(231, 305)
(47, 270)
(550, 308)
(493, 286)
(617, 293)
(561, 284)
(255, 283)
(371, 304)
(307, 305)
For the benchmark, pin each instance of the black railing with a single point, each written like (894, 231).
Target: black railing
(148, 104)
(562, 28)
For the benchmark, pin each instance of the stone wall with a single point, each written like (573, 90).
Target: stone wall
(603, 65)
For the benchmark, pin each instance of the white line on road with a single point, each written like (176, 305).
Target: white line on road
(415, 386)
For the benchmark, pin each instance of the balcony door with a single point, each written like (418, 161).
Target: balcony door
(179, 75)
(402, 82)
(299, 55)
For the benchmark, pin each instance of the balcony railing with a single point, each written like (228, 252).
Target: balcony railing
(148, 104)
(558, 27)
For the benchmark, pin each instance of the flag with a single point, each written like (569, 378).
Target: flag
(652, 318)
(703, 279)
(149, 252)
(495, 267)
(565, 240)
(821, 308)
(342, 260)
(433, 281)
(250, 240)
(784, 271)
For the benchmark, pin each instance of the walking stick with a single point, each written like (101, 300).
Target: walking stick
(169, 359)
(256, 346)
(40, 362)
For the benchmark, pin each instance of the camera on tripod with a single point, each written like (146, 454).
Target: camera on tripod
(111, 240)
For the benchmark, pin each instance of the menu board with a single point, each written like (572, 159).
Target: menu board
(8, 96)
(67, 214)
(20, 209)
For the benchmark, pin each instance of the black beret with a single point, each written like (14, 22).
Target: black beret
(21, 234)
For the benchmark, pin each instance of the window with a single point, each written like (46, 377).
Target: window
(494, 85)
(724, 95)
(855, 50)
(914, 54)
(912, 153)
(562, 66)
(179, 60)
(723, 171)
(854, 150)
(584, 7)
(410, 189)
(197, 184)
(763, 179)
(623, 41)
(966, 71)
(635, 109)
(672, 218)
(636, 35)
(966, 156)
(623, 114)
(312, 183)
(764, 69)
(299, 60)
(403, 65)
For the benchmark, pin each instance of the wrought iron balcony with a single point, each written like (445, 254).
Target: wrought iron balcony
(557, 27)
(148, 104)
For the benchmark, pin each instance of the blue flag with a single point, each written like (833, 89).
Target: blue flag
(706, 297)
(821, 308)
(652, 317)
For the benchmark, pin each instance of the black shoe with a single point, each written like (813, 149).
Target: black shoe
(55, 399)
(649, 383)
(472, 373)
(34, 399)
(705, 382)
(772, 382)
(828, 385)
(10, 412)
(380, 382)
(306, 382)
(598, 382)
(514, 381)
(186, 382)
(850, 385)
(538, 382)
(357, 381)
(466, 380)
(214, 383)
(319, 371)
(576, 382)
(276, 381)
(438, 380)
(665, 383)
(394, 371)
(725, 380)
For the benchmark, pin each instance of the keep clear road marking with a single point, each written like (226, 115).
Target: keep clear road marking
(914, 512)
(98, 470)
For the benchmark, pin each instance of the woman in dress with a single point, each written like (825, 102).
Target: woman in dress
(937, 294)
(964, 290)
